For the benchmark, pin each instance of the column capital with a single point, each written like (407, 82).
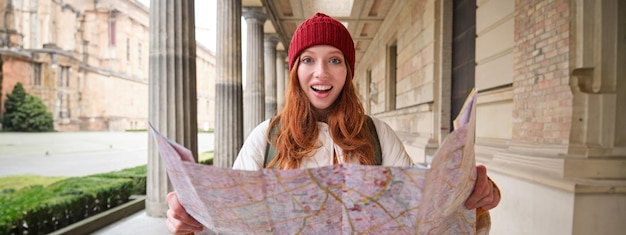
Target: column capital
(281, 54)
(254, 14)
(270, 39)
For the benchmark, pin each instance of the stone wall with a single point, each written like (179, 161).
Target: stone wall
(406, 104)
(548, 109)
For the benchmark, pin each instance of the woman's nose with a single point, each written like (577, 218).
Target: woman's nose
(321, 70)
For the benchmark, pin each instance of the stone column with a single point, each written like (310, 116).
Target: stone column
(270, 75)
(254, 97)
(172, 90)
(280, 79)
(228, 100)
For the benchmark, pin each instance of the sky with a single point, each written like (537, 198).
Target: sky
(205, 21)
(205, 16)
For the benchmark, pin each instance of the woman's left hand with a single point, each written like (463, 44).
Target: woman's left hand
(485, 194)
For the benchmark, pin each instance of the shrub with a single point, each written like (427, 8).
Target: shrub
(38, 209)
(136, 174)
(24, 112)
(41, 209)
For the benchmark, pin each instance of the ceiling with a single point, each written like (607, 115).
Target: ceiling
(362, 17)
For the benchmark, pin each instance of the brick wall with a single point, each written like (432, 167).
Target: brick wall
(14, 70)
(542, 109)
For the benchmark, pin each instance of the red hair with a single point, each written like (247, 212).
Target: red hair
(297, 137)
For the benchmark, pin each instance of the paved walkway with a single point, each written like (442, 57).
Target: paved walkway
(76, 153)
(139, 223)
(85, 153)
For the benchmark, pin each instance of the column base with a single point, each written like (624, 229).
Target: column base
(156, 209)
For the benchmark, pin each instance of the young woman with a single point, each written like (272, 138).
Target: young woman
(323, 122)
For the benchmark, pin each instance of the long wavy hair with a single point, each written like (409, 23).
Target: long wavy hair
(297, 137)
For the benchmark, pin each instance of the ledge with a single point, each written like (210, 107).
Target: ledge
(101, 220)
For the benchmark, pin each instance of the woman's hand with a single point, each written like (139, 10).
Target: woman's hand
(178, 221)
(485, 195)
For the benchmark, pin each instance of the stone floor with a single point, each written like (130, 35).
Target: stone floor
(139, 223)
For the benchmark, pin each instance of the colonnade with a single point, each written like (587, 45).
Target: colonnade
(172, 89)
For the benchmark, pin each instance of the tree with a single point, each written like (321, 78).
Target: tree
(24, 112)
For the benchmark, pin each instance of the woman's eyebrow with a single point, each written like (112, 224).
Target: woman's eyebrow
(336, 52)
(307, 51)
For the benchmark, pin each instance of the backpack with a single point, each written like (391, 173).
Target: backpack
(270, 150)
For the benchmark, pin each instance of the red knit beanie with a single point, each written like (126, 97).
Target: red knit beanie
(322, 30)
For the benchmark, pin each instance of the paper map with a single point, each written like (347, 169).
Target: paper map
(338, 199)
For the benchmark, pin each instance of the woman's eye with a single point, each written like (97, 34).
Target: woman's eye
(306, 60)
(335, 61)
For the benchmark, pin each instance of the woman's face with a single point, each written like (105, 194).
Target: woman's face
(322, 73)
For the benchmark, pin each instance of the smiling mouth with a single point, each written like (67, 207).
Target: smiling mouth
(321, 88)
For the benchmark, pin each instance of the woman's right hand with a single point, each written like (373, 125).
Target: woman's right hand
(178, 221)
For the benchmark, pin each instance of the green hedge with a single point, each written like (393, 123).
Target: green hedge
(137, 174)
(40, 210)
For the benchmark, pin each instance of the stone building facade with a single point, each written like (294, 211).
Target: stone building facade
(551, 85)
(88, 62)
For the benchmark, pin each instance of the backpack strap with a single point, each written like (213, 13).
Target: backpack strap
(378, 155)
(270, 150)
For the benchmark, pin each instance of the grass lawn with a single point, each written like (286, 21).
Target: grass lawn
(204, 156)
(17, 182)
